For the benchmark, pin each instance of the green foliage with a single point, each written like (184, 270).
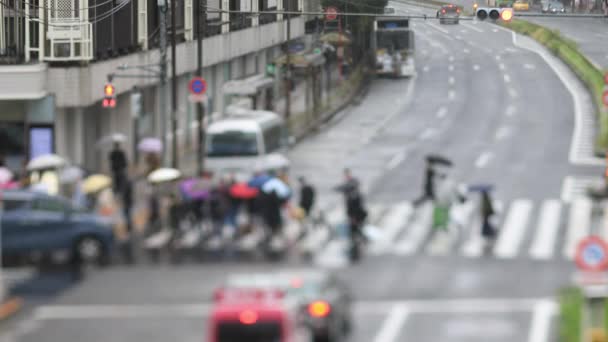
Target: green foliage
(570, 318)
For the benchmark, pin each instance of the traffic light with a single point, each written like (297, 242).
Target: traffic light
(494, 13)
(109, 92)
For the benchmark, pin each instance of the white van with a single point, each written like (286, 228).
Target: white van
(249, 141)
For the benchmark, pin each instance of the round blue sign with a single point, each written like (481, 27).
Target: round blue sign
(593, 254)
(198, 86)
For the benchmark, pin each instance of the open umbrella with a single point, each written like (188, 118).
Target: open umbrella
(282, 190)
(47, 161)
(71, 174)
(150, 145)
(5, 175)
(336, 38)
(96, 183)
(259, 180)
(437, 159)
(195, 188)
(243, 191)
(164, 175)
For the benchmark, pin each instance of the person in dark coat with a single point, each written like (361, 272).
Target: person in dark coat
(127, 206)
(272, 212)
(488, 231)
(307, 196)
(428, 191)
(118, 165)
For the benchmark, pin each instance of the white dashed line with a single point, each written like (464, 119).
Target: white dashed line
(507, 78)
(529, 66)
(426, 68)
(451, 80)
(501, 66)
(458, 37)
(498, 57)
(451, 67)
(511, 110)
(451, 58)
(476, 67)
(494, 30)
(442, 112)
(465, 50)
(512, 93)
(396, 160)
(483, 160)
(451, 95)
(502, 133)
(427, 134)
(472, 27)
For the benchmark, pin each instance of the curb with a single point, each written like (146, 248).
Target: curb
(10, 307)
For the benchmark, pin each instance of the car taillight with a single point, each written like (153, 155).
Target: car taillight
(458, 10)
(248, 317)
(319, 309)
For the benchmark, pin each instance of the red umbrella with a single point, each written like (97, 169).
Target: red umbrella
(243, 191)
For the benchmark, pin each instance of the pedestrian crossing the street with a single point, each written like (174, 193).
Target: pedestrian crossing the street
(540, 230)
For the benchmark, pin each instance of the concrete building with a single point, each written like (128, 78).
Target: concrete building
(52, 74)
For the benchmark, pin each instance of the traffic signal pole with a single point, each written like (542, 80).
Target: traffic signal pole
(200, 108)
(163, 77)
(174, 142)
(288, 65)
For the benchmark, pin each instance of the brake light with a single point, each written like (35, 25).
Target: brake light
(319, 309)
(248, 317)
(458, 10)
(443, 11)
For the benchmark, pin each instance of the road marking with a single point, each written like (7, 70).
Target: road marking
(450, 67)
(416, 232)
(512, 92)
(458, 37)
(425, 52)
(451, 58)
(502, 133)
(451, 80)
(472, 27)
(483, 159)
(451, 95)
(511, 110)
(463, 31)
(494, 30)
(392, 223)
(442, 112)
(427, 134)
(546, 231)
(541, 321)
(513, 231)
(501, 66)
(465, 50)
(440, 30)
(578, 225)
(476, 67)
(473, 247)
(396, 160)
(392, 324)
(507, 78)
(529, 66)
(573, 187)
(498, 57)
(426, 68)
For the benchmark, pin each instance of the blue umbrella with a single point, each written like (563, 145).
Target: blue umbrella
(259, 181)
(282, 190)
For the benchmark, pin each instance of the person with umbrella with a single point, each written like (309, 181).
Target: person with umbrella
(307, 196)
(118, 166)
(355, 211)
(428, 190)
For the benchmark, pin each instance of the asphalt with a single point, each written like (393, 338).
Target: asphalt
(513, 132)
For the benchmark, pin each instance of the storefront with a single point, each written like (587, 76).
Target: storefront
(26, 130)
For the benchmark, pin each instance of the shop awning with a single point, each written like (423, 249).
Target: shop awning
(302, 60)
(247, 86)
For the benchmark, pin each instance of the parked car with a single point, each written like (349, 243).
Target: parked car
(35, 226)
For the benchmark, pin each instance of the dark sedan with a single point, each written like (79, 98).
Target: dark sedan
(448, 14)
(35, 226)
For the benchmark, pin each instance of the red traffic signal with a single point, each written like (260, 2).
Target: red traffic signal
(109, 93)
(109, 102)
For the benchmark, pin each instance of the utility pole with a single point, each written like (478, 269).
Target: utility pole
(162, 6)
(288, 63)
(174, 156)
(200, 108)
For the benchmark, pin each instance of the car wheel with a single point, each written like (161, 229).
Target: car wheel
(91, 250)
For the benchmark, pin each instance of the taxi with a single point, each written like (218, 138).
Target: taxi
(521, 5)
(255, 315)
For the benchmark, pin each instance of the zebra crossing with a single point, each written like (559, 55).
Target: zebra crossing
(540, 230)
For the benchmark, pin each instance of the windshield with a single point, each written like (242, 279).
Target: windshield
(258, 332)
(392, 40)
(232, 144)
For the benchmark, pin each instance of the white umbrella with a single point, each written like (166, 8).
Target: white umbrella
(152, 145)
(47, 161)
(164, 175)
(5, 175)
(71, 174)
(277, 186)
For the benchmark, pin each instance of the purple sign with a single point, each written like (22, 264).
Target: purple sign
(41, 141)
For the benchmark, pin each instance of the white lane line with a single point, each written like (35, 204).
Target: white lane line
(440, 30)
(392, 324)
(451, 95)
(453, 306)
(465, 50)
(529, 66)
(494, 30)
(541, 321)
(451, 58)
(578, 225)
(416, 232)
(426, 68)
(511, 110)
(513, 231)
(507, 78)
(450, 67)
(392, 224)
(458, 37)
(472, 27)
(501, 66)
(476, 67)
(502, 133)
(546, 231)
(463, 31)
(483, 159)
(442, 112)
(512, 93)
(425, 52)
(396, 160)
(451, 80)
(428, 134)
(498, 57)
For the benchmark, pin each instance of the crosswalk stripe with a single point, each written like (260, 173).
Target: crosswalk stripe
(547, 229)
(391, 225)
(473, 246)
(417, 232)
(512, 233)
(578, 225)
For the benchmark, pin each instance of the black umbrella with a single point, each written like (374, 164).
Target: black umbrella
(437, 159)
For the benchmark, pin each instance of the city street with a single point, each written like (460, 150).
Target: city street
(482, 97)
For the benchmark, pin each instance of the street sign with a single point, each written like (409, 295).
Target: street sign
(197, 86)
(592, 254)
(197, 98)
(331, 13)
(605, 98)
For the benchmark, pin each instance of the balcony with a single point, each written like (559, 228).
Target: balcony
(23, 82)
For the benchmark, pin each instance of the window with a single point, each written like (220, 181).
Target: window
(272, 139)
(49, 204)
(232, 144)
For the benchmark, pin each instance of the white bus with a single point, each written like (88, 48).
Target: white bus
(253, 140)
